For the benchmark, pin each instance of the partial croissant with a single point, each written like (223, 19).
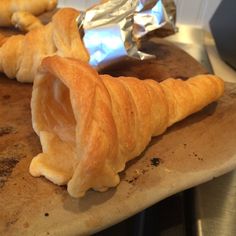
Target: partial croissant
(90, 125)
(25, 21)
(21, 55)
(34, 7)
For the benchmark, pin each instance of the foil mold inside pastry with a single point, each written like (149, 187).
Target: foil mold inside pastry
(111, 30)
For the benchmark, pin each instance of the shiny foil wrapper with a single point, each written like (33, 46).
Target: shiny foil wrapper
(111, 30)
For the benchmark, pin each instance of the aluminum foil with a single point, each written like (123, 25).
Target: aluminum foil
(111, 30)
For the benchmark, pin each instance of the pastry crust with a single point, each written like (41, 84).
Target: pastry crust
(25, 21)
(34, 7)
(21, 55)
(3, 39)
(90, 125)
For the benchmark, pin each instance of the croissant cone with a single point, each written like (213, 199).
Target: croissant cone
(21, 55)
(90, 125)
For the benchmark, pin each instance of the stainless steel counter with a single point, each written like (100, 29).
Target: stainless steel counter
(214, 203)
(215, 206)
(200, 44)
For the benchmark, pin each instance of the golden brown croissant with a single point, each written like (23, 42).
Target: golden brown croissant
(34, 7)
(91, 125)
(3, 39)
(21, 55)
(25, 21)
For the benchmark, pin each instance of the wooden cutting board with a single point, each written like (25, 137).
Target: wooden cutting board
(191, 152)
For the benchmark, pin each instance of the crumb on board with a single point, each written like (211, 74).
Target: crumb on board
(155, 161)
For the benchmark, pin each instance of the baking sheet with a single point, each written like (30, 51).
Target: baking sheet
(191, 152)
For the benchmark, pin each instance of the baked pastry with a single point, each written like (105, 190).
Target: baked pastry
(25, 21)
(3, 39)
(21, 55)
(90, 125)
(34, 7)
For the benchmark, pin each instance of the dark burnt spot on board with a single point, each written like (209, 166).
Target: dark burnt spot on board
(6, 96)
(11, 222)
(195, 155)
(6, 167)
(133, 179)
(155, 161)
(7, 164)
(135, 176)
(130, 181)
(7, 130)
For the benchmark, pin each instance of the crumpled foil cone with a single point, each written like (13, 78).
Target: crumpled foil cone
(111, 30)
